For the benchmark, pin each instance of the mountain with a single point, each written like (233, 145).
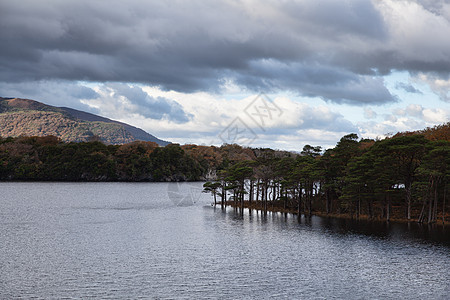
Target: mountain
(32, 118)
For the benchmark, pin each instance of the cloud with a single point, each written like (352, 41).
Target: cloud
(369, 113)
(210, 114)
(315, 80)
(414, 110)
(417, 37)
(173, 68)
(407, 87)
(302, 116)
(438, 115)
(118, 99)
(337, 51)
(389, 126)
(438, 85)
(408, 118)
(429, 115)
(56, 93)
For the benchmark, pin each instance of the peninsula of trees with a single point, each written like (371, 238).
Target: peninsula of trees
(401, 177)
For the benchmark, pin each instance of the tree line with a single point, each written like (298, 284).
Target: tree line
(402, 177)
(50, 159)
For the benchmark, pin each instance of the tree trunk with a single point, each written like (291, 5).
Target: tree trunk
(250, 198)
(274, 191)
(370, 208)
(422, 213)
(430, 200)
(430, 210)
(435, 205)
(408, 199)
(443, 203)
(327, 200)
(264, 195)
(224, 195)
(388, 208)
(358, 212)
(242, 195)
(310, 200)
(258, 187)
(299, 208)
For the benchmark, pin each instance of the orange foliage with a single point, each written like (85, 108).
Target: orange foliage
(236, 153)
(363, 145)
(210, 154)
(138, 147)
(436, 133)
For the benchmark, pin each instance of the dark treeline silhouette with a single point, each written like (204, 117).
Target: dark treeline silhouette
(402, 177)
(48, 158)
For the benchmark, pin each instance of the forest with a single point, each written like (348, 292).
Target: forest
(403, 177)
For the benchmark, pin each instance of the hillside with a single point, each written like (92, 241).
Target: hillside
(31, 118)
(436, 133)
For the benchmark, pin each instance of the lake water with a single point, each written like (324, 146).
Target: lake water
(166, 241)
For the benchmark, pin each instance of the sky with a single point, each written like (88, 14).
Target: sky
(278, 74)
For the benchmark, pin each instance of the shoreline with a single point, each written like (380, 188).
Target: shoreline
(344, 216)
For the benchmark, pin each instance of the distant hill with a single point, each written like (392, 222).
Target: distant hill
(32, 118)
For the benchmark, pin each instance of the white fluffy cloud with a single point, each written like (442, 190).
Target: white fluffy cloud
(408, 118)
(369, 113)
(438, 85)
(417, 31)
(210, 115)
(429, 115)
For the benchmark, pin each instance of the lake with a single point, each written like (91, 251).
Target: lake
(166, 241)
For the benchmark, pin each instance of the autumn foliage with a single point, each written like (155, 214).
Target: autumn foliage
(405, 176)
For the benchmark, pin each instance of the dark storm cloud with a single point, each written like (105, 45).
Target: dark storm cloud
(57, 93)
(335, 50)
(337, 18)
(315, 80)
(434, 6)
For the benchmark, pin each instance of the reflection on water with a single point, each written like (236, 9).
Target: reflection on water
(414, 232)
(126, 240)
(421, 233)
